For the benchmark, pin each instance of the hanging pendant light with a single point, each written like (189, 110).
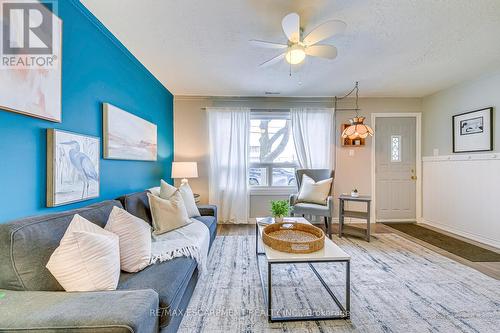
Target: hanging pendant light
(357, 129)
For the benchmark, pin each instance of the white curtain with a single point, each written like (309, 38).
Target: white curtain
(313, 131)
(229, 131)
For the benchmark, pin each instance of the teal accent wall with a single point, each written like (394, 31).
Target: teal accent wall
(96, 68)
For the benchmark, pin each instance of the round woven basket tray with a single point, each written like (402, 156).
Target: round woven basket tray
(293, 237)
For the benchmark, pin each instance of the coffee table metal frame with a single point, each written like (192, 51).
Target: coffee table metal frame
(344, 310)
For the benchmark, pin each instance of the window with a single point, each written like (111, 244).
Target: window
(272, 152)
(395, 148)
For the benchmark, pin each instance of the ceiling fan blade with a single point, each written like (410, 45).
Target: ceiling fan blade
(324, 31)
(323, 51)
(291, 27)
(268, 45)
(273, 61)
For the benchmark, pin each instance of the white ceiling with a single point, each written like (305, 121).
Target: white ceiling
(408, 48)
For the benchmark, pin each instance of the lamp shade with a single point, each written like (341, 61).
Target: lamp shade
(184, 170)
(357, 129)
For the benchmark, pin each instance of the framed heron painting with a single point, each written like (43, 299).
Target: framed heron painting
(72, 167)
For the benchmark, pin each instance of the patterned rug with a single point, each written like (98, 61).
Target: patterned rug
(396, 286)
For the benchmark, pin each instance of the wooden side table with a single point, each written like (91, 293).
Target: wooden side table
(350, 230)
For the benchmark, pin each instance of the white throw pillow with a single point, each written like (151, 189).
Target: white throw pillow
(87, 259)
(188, 197)
(135, 239)
(166, 191)
(314, 192)
(168, 214)
(155, 190)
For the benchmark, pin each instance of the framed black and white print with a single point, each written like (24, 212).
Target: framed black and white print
(473, 131)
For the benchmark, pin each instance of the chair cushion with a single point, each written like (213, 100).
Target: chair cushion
(312, 209)
(314, 191)
(169, 279)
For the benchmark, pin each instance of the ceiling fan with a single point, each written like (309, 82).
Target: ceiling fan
(298, 46)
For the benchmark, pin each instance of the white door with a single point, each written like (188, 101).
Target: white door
(395, 168)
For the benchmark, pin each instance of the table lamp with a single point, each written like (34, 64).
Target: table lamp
(184, 170)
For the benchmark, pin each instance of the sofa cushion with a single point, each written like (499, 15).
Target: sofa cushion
(309, 208)
(169, 279)
(210, 222)
(27, 244)
(96, 312)
(137, 204)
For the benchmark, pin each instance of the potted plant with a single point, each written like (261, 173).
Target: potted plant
(279, 209)
(354, 193)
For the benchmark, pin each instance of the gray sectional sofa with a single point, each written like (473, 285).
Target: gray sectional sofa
(151, 300)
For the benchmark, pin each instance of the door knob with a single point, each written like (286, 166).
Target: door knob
(413, 177)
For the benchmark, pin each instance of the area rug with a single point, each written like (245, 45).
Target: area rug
(396, 286)
(451, 244)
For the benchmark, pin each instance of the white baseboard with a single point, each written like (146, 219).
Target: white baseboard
(348, 220)
(466, 234)
(397, 220)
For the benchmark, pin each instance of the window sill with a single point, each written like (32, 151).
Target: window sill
(286, 190)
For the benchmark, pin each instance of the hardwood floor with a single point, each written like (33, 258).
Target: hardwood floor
(489, 268)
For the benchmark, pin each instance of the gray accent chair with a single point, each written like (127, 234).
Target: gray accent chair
(303, 208)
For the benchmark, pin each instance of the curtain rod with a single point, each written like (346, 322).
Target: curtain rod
(287, 109)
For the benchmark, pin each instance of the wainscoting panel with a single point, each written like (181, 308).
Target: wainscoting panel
(461, 194)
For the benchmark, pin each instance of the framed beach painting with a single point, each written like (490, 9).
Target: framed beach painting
(30, 81)
(72, 167)
(128, 137)
(473, 131)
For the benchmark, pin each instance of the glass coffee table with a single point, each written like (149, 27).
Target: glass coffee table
(330, 253)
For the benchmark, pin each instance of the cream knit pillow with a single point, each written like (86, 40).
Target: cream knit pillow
(188, 197)
(168, 214)
(134, 237)
(314, 192)
(167, 190)
(87, 259)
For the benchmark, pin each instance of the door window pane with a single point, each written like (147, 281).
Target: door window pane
(395, 148)
(284, 177)
(257, 177)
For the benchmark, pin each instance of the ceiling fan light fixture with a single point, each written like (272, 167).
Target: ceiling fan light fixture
(295, 54)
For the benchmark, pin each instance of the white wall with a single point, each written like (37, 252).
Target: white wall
(438, 109)
(191, 138)
(461, 195)
(460, 191)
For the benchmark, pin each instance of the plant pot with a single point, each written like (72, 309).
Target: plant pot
(355, 194)
(278, 219)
